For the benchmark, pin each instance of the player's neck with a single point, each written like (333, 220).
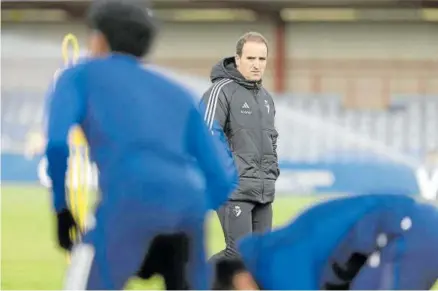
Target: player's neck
(118, 55)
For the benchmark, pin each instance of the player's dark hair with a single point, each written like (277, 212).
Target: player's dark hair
(128, 27)
(225, 270)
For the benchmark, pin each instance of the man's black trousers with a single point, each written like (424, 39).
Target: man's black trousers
(239, 218)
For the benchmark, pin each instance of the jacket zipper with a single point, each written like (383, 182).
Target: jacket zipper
(256, 93)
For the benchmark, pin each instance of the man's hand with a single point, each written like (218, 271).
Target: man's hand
(66, 227)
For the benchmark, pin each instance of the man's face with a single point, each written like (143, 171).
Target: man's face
(252, 63)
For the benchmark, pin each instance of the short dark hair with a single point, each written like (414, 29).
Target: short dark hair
(127, 26)
(225, 270)
(249, 36)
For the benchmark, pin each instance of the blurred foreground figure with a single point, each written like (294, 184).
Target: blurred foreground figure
(375, 242)
(148, 140)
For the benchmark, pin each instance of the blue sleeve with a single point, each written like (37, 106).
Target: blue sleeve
(214, 160)
(249, 249)
(48, 98)
(257, 254)
(65, 108)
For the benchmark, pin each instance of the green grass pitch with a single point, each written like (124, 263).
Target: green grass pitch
(31, 260)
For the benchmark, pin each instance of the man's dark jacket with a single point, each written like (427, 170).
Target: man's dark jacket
(246, 113)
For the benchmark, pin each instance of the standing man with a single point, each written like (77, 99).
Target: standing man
(245, 111)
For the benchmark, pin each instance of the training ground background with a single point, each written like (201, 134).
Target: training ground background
(30, 258)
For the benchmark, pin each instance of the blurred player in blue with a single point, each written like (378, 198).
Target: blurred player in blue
(372, 242)
(149, 142)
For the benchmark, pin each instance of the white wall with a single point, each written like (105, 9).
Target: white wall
(361, 40)
(31, 53)
(206, 40)
(362, 59)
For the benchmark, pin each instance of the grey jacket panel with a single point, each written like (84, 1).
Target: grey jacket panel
(246, 113)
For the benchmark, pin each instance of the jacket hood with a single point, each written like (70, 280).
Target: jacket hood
(226, 69)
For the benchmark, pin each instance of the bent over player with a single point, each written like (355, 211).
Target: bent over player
(367, 242)
(148, 139)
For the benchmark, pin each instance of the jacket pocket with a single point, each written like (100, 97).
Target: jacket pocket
(269, 136)
(270, 167)
(246, 165)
